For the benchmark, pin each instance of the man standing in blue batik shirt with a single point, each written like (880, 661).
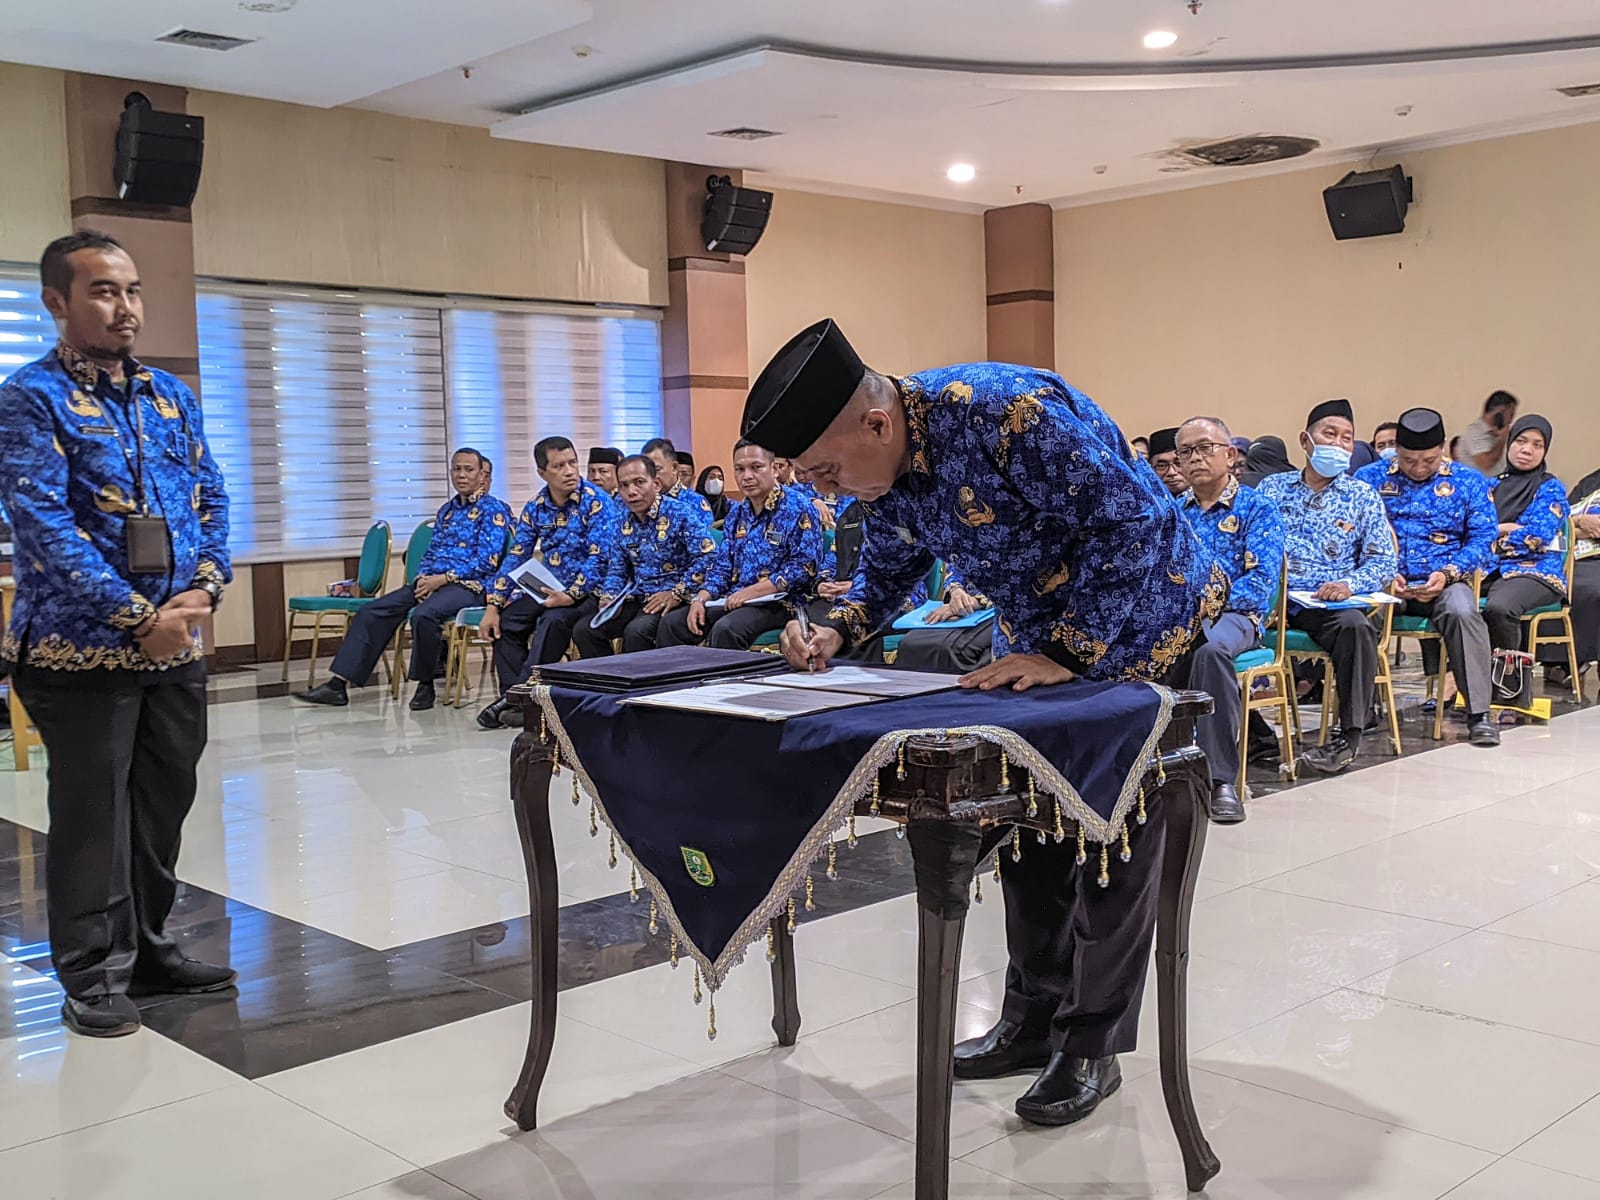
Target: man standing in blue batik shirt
(1338, 545)
(1027, 488)
(121, 551)
(1445, 525)
(1243, 533)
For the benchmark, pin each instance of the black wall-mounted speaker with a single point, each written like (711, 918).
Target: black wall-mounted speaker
(735, 217)
(158, 154)
(1368, 203)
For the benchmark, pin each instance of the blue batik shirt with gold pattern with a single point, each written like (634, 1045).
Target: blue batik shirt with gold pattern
(1445, 523)
(1244, 534)
(690, 498)
(1337, 535)
(1023, 485)
(1532, 549)
(69, 459)
(469, 540)
(659, 552)
(574, 538)
(780, 541)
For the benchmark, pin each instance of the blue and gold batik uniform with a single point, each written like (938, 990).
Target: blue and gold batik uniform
(575, 539)
(1445, 523)
(1023, 485)
(70, 456)
(1338, 535)
(1531, 550)
(658, 552)
(689, 498)
(469, 540)
(1244, 534)
(782, 541)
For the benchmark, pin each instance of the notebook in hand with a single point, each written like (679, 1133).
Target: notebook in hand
(663, 667)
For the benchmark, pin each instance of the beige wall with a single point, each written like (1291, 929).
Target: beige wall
(1236, 299)
(34, 205)
(361, 199)
(906, 284)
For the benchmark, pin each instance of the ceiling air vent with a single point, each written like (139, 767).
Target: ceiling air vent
(1249, 151)
(744, 133)
(1581, 89)
(203, 41)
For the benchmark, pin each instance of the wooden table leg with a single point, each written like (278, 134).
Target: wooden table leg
(531, 768)
(1183, 801)
(785, 1001)
(945, 856)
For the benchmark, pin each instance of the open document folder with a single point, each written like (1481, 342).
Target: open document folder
(800, 693)
(1360, 600)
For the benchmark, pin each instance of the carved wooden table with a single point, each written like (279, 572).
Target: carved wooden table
(950, 798)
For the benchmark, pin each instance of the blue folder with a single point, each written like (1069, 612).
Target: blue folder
(918, 618)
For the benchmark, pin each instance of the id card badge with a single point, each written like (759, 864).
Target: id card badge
(149, 545)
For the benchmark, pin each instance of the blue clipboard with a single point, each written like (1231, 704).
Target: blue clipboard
(917, 618)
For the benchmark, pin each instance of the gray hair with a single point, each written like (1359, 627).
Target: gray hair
(1227, 435)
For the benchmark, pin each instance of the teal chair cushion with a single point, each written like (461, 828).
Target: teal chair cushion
(892, 642)
(1413, 625)
(1545, 610)
(1298, 641)
(470, 617)
(1251, 659)
(769, 638)
(322, 604)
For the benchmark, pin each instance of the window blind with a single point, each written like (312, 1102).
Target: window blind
(26, 328)
(325, 413)
(514, 377)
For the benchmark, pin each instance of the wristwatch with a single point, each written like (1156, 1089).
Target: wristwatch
(213, 589)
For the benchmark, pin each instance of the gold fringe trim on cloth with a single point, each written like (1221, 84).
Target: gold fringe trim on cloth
(862, 784)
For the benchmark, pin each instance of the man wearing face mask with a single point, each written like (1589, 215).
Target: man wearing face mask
(1338, 544)
(1383, 440)
(1445, 524)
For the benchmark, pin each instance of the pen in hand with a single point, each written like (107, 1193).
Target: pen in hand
(805, 633)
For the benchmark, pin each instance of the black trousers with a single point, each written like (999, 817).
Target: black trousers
(1351, 640)
(532, 635)
(1506, 598)
(632, 624)
(947, 651)
(1585, 615)
(736, 630)
(374, 624)
(123, 747)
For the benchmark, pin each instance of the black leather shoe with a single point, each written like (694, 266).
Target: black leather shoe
(422, 698)
(1002, 1051)
(1333, 759)
(512, 717)
(1225, 808)
(333, 692)
(186, 977)
(100, 1016)
(1483, 731)
(1069, 1089)
(489, 716)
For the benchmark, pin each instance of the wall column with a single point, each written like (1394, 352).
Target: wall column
(1019, 265)
(704, 354)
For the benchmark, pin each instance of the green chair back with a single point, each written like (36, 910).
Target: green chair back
(417, 550)
(717, 535)
(936, 579)
(374, 566)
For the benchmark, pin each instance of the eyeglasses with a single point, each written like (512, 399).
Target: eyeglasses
(1202, 450)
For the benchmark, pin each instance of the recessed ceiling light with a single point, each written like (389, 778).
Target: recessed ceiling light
(1159, 39)
(961, 173)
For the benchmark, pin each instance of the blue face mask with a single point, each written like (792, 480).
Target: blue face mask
(1388, 453)
(1330, 461)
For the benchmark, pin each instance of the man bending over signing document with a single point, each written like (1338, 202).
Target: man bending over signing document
(1028, 489)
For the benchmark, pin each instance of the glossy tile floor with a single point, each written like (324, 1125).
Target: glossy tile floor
(1392, 998)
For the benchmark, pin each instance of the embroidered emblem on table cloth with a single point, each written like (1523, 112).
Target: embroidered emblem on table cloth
(698, 866)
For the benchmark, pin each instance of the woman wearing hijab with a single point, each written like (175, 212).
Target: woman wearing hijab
(1584, 501)
(1531, 505)
(1267, 456)
(711, 486)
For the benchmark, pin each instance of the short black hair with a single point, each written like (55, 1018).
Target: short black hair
(1386, 425)
(662, 444)
(1498, 399)
(649, 464)
(746, 444)
(477, 454)
(545, 447)
(1454, 442)
(54, 269)
(1137, 440)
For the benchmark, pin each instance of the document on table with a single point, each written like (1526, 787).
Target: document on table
(535, 578)
(722, 601)
(881, 682)
(753, 701)
(1362, 600)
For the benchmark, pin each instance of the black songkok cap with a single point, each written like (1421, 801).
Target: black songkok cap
(1420, 429)
(800, 392)
(1331, 408)
(602, 455)
(1163, 441)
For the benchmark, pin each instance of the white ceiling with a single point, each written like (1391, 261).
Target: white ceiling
(880, 96)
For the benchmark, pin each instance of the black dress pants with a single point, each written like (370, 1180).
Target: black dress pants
(123, 747)
(1506, 598)
(632, 624)
(736, 630)
(1351, 640)
(374, 624)
(532, 635)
